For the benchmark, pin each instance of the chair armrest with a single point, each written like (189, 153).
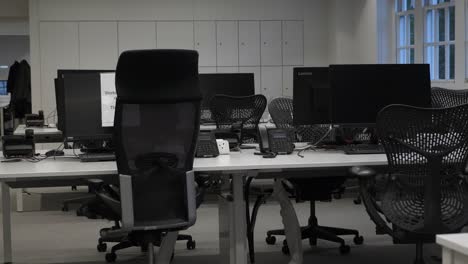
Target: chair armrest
(362, 172)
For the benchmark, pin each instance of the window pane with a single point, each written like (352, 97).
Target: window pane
(411, 56)
(452, 22)
(411, 29)
(409, 4)
(429, 55)
(441, 62)
(452, 62)
(402, 56)
(402, 31)
(441, 23)
(429, 26)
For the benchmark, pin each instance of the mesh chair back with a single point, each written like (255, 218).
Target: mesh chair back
(156, 128)
(241, 113)
(281, 111)
(427, 150)
(442, 97)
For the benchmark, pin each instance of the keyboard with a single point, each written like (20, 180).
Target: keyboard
(95, 157)
(356, 149)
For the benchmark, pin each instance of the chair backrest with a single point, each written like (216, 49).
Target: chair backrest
(442, 97)
(238, 112)
(156, 127)
(427, 150)
(281, 111)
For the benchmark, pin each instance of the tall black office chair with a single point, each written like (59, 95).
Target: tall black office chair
(312, 189)
(156, 127)
(442, 97)
(238, 115)
(425, 193)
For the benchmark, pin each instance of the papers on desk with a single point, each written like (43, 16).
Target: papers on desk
(108, 99)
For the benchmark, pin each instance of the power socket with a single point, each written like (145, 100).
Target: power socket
(223, 146)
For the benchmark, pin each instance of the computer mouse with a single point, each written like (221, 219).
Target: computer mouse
(54, 153)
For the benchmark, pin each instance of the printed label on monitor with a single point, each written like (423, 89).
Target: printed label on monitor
(108, 98)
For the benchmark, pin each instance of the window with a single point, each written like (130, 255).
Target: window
(405, 39)
(439, 38)
(3, 88)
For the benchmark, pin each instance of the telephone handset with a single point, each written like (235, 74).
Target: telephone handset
(275, 141)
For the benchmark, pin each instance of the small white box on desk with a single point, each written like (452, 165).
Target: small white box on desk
(223, 146)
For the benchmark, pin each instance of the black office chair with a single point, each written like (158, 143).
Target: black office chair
(311, 189)
(156, 127)
(442, 97)
(425, 192)
(238, 115)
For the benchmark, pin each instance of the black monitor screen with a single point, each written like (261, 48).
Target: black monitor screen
(311, 95)
(79, 106)
(359, 92)
(234, 84)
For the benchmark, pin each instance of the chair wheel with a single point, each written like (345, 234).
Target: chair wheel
(345, 249)
(102, 247)
(285, 250)
(358, 240)
(191, 244)
(357, 201)
(111, 257)
(285, 242)
(270, 240)
(65, 208)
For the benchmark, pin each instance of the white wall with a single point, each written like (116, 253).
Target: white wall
(14, 8)
(353, 31)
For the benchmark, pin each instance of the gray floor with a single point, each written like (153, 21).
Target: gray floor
(57, 237)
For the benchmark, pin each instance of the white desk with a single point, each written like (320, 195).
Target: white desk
(454, 248)
(231, 214)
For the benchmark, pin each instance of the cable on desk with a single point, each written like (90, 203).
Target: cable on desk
(313, 146)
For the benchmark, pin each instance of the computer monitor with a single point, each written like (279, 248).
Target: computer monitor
(311, 96)
(79, 106)
(359, 92)
(234, 84)
(3, 87)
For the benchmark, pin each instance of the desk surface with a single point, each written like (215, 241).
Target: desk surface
(456, 242)
(37, 130)
(237, 161)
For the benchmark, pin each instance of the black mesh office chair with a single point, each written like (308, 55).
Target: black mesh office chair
(442, 97)
(156, 127)
(238, 115)
(317, 189)
(425, 193)
(312, 189)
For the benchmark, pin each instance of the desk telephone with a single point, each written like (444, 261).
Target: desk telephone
(274, 141)
(207, 147)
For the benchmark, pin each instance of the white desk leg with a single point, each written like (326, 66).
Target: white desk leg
(292, 229)
(232, 225)
(19, 200)
(6, 210)
(167, 248)
(447, 256)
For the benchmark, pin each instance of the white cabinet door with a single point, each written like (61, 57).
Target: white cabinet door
(98, 45)
(257, 76)
(272, 83)
(227, 69)
(249, 43)
(288, 81)
(227, 40)
(58, 50)
(174, 35)
(293, 43)
(270, 35)
(205, 42)
(136, 35)
(206, 69)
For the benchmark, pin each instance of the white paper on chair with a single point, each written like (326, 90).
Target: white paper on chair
(108, 98)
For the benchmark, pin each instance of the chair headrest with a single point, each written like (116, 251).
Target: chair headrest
(157, 76)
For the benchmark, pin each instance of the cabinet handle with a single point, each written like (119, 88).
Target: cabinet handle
(264, 43)
(285, 43)
(198, 43)
(242, 43)
(220, 44)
